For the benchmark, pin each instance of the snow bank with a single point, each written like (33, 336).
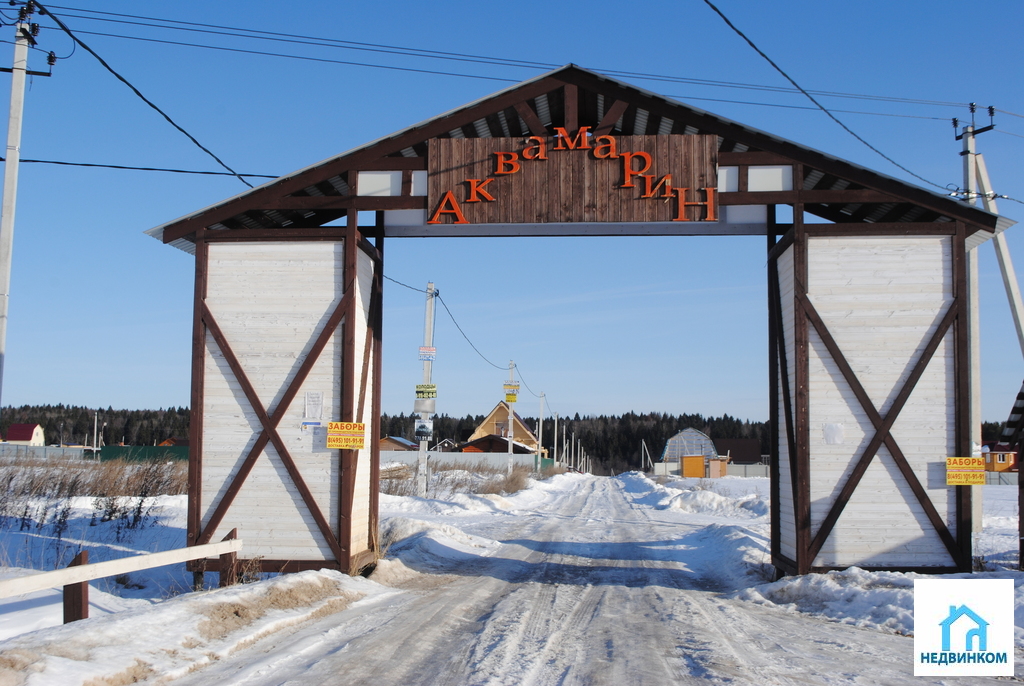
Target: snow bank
(179, 636)
(701, 496)
(879, 600)
(421, 544)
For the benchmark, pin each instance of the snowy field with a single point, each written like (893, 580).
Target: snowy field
(574, 580)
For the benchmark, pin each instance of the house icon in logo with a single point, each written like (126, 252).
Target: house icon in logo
(978, 635)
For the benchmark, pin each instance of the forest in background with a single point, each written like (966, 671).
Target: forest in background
(75, 424)
(612, 441)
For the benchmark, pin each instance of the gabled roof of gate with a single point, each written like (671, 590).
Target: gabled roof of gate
(832, 188)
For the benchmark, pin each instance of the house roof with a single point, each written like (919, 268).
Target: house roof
(21, 432)
(491, 441)
(833, 188)
(402, 441)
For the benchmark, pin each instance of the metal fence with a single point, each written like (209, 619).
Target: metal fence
(410, 457)
(40, 452)
(1000, 478)
(748, 470)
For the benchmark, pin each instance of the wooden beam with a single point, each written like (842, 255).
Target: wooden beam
(879, 229)
(801, 396)
(269, 430)
(360, 159)
(706, 122)
(571, 105)
(773, 387)
(343, 202)
(349, 458)
(293, 388)
(962, 374)
(530, 117)
(611, 117)
(753, 158)
(195, 459)
(807, 197)
(882, 430)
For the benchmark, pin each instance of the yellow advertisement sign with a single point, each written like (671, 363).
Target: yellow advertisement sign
(965, 471)
(346, 435)
(510, 397)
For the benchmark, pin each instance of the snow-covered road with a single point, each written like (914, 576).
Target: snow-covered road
(592, 588)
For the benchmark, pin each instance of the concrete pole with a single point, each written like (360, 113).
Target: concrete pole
(511, 415)
(540, 431)
(554, 442)
(10, 195)
(428, 366)
(1002, 252)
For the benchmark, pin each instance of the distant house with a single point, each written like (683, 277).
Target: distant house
(445, 446)
(26, 434)
(739, 450)
(492, 434)
(396, 443)
(999, 458)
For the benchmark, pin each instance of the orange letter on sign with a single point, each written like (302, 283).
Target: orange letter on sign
(606, 148)
(476, 189)
(651, 189)
(580, 141)
(683, 204)
(506, 163)
(448, 205)
(627, 167)
(538, 151)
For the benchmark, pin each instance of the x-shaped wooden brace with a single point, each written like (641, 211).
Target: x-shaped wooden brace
(270, 423)
(882, 426)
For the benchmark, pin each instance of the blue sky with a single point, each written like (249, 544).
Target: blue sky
(101, 314)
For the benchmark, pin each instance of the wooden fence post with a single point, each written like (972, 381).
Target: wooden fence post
(76, 596)
(229, 563)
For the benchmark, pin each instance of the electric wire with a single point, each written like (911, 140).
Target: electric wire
(156, 169)
(462, 57)
(137, 92)
(304, 58)
(465, 336)
(516, 366)
(811, 97)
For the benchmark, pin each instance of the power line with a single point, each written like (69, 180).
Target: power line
(811, 97)
(465, 336)
(304, 58)
(156, 169)
(137, 92)
(437, 54)
(804, 107)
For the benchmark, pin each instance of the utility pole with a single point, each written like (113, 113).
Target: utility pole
(540, 432)
(426, 408)
(554, 442)
(510, 391)
(19, 68)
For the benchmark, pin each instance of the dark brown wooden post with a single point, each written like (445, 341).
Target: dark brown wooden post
(76, 596)
(229, 564)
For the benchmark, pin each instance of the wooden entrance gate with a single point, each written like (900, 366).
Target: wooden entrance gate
(867, 313)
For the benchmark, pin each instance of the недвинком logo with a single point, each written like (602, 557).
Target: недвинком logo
(963, 627)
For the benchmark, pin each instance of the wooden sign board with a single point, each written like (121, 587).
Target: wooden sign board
(578, 178)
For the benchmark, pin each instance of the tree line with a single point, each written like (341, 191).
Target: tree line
(75, 424)
(613, 442)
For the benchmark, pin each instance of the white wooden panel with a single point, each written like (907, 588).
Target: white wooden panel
(271, 300)
(380, 183)
(361, 493)
(771, 177)
(787, 523)
(881, 299)
(728, 179)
